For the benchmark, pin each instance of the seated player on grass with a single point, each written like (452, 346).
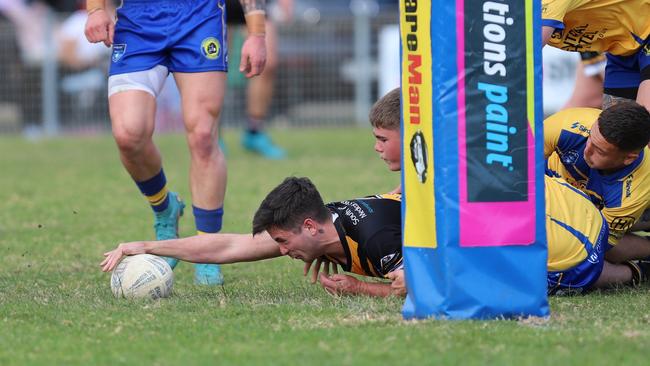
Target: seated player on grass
(604, 154)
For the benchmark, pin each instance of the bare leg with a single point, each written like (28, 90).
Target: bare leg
(643, 95)
(629, 247)
(588, 90)
(610, 100)
(132, 118)
(202, 97)
(613, 274)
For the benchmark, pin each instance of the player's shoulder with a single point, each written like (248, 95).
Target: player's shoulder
(641, 175)
(568, 116)
(576, 120)
(387, 196)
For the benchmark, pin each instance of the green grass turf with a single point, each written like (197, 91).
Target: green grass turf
(65, 201)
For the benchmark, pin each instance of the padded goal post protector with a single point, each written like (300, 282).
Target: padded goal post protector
(473, 208)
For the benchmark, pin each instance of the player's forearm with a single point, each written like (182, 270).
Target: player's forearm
(215, 248)
(255, 14)
(375, 289)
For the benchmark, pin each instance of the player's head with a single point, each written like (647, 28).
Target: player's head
(617, 138)
(293, 213)
(385, 120)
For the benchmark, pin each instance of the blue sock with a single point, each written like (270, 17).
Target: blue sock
(155, 190)
(208, 221)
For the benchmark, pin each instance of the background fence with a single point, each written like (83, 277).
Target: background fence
(327, 73)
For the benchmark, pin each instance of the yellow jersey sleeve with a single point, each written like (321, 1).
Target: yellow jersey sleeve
(555, 10)
(571, 222)
(576, 121)
(634, 198)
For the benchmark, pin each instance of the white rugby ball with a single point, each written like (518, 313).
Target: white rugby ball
(142, 276)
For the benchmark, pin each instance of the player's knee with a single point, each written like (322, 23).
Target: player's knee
(203, 143)
(129, 141)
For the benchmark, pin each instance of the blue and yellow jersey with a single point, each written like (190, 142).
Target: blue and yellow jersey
(573, 225)
(622, 196)
(619, 27)
(370, 230)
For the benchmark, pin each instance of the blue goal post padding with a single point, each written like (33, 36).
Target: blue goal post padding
(473, 207)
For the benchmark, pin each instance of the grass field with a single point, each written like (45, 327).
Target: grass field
(65, 201)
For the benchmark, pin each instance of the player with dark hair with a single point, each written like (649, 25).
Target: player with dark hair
(621, 28)
(364, 236)
(188, 38)
(361, 235)
(604, 154)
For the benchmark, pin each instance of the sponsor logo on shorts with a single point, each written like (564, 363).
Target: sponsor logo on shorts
(118, 51)
(211, 48)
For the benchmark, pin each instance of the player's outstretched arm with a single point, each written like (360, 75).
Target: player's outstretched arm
(253, 51)
(207, 248)
(99, 26)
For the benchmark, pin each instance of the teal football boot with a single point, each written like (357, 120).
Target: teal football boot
(260, 143)
(166, 222)
(207, 274)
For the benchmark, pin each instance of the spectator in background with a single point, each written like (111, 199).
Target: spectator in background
(28, 18)
(86, 65)
(75, 52)
(259, 93)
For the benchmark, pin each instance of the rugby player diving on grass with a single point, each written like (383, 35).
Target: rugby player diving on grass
(363, 236)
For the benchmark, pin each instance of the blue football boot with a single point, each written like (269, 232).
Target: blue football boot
(260, 143)
(166, 222)
(207, 274)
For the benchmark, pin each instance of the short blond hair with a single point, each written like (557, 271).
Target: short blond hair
(385, 113)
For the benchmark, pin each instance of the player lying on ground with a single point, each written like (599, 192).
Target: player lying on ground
(364, 237)
(385, 120)
(604, 154)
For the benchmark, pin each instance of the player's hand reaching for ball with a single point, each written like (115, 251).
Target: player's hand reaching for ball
(100, 27)
(113, 257)
(253, 55)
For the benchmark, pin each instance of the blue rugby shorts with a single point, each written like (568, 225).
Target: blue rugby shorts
(182, 35)
(579, 278)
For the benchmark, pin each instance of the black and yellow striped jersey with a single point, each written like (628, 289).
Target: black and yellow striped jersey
(370, 230)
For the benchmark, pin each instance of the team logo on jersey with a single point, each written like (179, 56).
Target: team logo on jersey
(118, 51)
(211, 48)
(419, 155)
(390, 262)
(570, 157)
